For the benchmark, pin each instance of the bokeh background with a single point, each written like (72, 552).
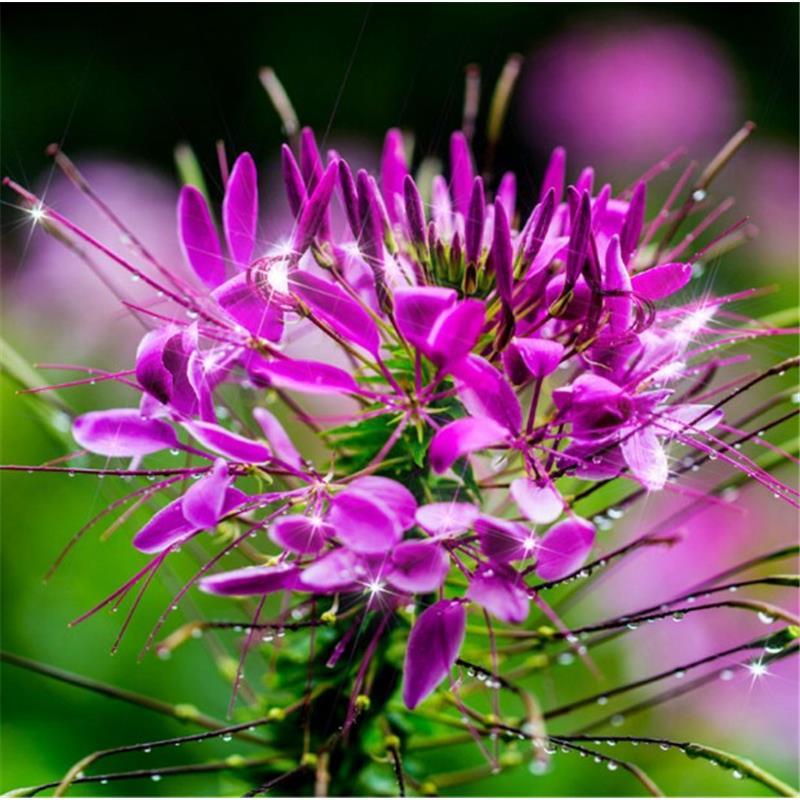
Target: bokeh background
(120, 85)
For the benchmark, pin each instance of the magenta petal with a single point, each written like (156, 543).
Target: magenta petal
(446, 519)
(311, 220)
(433, 647)
(554, 175)
(251, 581)
(393, 170)
(245, 305)
(122, 432)
(337, 571)
(539, 502)
(645, 456)
(564, 548)
(486, 393)
(203, 501)
(392, 494)
(282, 446)
(464, 436)
(417, 308)
(507, 193)
(199, 238)
(540, 356)
(617, 280)
(169, 525)
(364, 523)
(501, 591)
(311, 377)
(503, 540)
(502, 253)
(661, 281)
(300, 534)
(240, 209)
(418, 567)
(226, 443)
(455, 332)
(461, 171)
(335, 307)
(634, 221)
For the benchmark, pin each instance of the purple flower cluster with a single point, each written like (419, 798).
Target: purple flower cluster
(539, 341)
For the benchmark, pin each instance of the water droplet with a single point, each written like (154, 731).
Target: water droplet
(617, 720)
(174, 451)
(767, 619)
(612, 765)
(71, 474)
(736, 774)
(104, 781)
(227, 737)
(726, 675)
(733, 589)
(565, 659)
(698, 195)
(632, 626)
(267, 637)
(155, 778)
(598, 760)
(538, 767)
(148, 750)
(680, 673)
(601, 701)
(677, 616)
(664, 747)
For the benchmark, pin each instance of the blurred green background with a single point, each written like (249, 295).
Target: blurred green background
(127, 83)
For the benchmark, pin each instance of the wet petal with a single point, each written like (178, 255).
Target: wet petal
(311, 377)
(300, 534)
(416, 309)
(564, 548)
(442, 519)
(503, 540)
(335, 572)
(644, 454)
(661, 281)
(501, 591)
(203, 501)
(539, 502)
(240, 209)
(226, 443)
(502, 253)
(313, 214)
(122, 432)
(334, 306)
(433, 647)
(418, 566)
(461, 171)
(243, 303)
(364, 523)
(282, 446)
(251, 581)
(464, 436)
(199, 238)
(392, 494)
(393, 170)
(485, 393)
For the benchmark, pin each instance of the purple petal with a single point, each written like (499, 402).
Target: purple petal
(313, 214)
(364, 523)
(433, 647)
(282, 446)
(334, 306)
(502, 253)
(486, 393)
(507, 193)
(336, 571)
(540, 221)
(418, 567)
(644, 454)
(226, 443)
(240, 209)
(579, 239)
(501, 591)
(474, 222)
(539, 502)
(169, 525)
(661, 281)
(540, 356)
(555, 175)
(199, 238)
(455, 332)
(347, 187)
(122, 432)
(616, 279)
(245, 305)
(461, 171)
(564, 548)
(203, 501)
(446, 519)
(464, 436)
(393, 169)
(392, 494)
(155, 349)
(311, 377)
(292, 181)
(251, 581)
(415, 212)
(503, 540)
(634, 220)
(300, 534)
(416, 309)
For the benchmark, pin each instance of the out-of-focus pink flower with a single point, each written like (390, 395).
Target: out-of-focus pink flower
(627, 93)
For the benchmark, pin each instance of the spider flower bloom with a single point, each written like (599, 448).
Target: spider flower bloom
(502, 362)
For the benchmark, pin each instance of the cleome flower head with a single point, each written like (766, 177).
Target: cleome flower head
(499, 362)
